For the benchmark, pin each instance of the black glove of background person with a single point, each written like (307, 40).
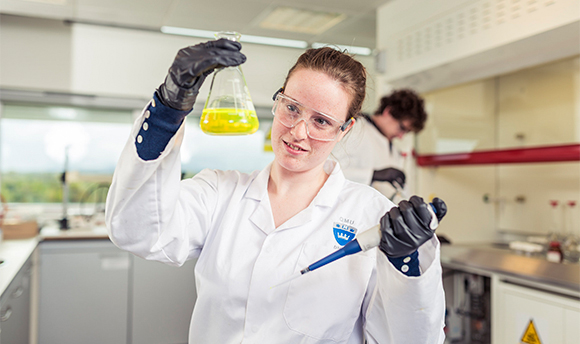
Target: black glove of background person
(390, 175)
(190, 68)
(406, 227)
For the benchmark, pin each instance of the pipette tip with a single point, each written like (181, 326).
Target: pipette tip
(294, 276)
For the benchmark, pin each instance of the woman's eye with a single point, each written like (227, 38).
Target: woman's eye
(292, 108)
(321, 121)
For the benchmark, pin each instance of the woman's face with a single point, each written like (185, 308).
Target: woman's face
(295, 151)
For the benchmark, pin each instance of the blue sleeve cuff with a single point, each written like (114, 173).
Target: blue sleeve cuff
(408, 265)
(160, 125)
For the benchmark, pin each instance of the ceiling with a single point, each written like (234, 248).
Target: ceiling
(356, 18)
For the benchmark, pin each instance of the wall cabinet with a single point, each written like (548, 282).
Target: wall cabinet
(93, 292)
(15, 308)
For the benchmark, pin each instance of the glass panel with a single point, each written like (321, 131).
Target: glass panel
(244, 153)
(35, 141)
(460, 119)
(525, 192)
(540, 106)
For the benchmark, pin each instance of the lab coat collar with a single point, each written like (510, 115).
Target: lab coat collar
(259, 187)
(331, 189)
(326, 197)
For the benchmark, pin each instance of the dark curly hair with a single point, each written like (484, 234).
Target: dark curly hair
(405, 104)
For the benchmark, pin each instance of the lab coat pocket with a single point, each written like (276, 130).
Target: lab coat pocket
(325, 303)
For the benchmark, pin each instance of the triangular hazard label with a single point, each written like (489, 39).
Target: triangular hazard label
(530, 336)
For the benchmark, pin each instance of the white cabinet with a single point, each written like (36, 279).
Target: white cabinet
(15, 308)
(90, 291)
(83, 294)
(572, 326)
(163, 298)
(555, 317)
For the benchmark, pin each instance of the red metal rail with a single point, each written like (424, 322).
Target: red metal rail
(504, 156)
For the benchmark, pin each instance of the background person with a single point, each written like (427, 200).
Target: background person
(251, 231)
(368, 156)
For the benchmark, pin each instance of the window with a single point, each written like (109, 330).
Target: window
(38, 143)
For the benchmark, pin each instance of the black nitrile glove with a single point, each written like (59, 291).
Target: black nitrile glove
(406, 227)
(440, 207)
(190, 68)
(390, 175)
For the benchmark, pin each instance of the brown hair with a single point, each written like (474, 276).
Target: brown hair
(405, 104)
(340, 67)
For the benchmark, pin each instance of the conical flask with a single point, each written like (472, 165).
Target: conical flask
(229, 109)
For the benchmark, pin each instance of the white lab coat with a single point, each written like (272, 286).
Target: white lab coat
(365, 150)
(224, 219)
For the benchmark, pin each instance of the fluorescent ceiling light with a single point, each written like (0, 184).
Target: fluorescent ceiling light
(172, 30)
(244, 39)
(301, 21)
(51, 2)
(349, 48)
(274, 41)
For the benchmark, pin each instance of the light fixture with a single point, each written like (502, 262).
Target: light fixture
(290, 43)
(50, 2)
(279, 42)
(301, 20)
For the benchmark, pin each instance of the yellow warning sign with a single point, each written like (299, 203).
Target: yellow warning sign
(531, 335)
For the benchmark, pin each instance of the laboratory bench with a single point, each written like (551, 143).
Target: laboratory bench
(533, 270)
(497, 295)
(49, 282)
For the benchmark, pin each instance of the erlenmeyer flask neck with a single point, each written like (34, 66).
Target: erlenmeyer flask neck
(231, 35)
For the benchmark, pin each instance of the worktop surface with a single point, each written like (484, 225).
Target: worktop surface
(13, 254)
(480, 258)
(489, 259)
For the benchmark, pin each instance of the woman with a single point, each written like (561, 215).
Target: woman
(251, 231)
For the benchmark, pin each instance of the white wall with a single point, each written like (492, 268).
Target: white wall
(42, 54)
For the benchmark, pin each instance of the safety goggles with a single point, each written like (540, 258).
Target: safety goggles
(319, 126)
(402, 128)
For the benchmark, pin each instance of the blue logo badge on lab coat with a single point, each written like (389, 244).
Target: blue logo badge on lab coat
(343, 233)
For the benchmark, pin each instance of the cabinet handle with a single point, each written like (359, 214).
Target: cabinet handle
(17, 293)
(6, 314)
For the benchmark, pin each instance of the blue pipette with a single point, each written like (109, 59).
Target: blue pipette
(364, 242)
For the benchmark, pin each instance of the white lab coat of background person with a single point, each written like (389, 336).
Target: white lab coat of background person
(224, 219)
(364, 150)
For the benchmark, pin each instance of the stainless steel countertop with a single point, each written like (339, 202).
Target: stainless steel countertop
(488, 259)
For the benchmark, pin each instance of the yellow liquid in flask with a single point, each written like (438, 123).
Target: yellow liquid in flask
(229, 121)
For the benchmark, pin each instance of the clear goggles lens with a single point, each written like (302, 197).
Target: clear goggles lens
(318, 125)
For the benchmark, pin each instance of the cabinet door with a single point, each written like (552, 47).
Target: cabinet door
(571, 326)
(163, 299)
(15, 308)
(519, 307)
(83, 293)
